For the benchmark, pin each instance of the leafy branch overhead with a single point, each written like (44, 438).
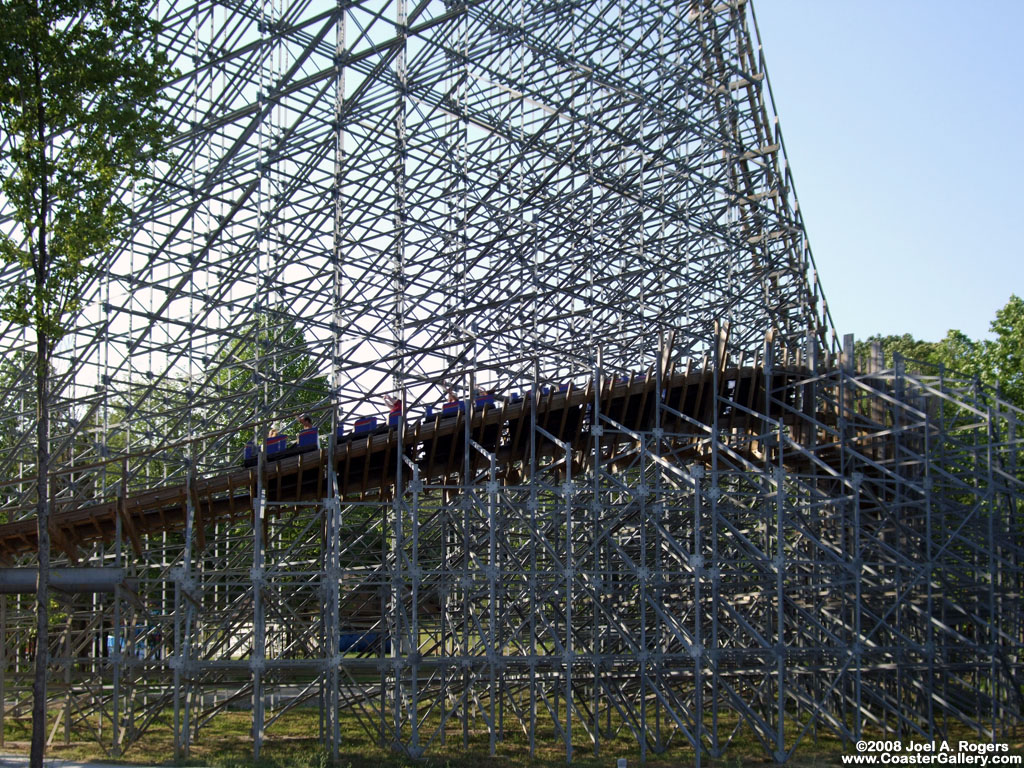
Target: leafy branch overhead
(78, 125)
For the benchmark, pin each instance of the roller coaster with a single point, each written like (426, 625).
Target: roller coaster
(687, 516)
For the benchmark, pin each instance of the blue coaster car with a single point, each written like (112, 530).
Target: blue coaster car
(308, 438)
(364, 425)
(452, 409)
(276, 444)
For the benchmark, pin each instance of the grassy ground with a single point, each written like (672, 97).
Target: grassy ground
(292, 743)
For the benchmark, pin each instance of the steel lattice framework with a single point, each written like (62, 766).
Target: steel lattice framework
(722, 524)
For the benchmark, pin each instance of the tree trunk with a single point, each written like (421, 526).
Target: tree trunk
(43, 533)
(43, 350)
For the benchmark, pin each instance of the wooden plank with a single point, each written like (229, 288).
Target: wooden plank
(684, 392)
(366, 470)
(519, 432)
(65, 545)
(253, 493)
(198, 525)
(648, 382)
(700, 411)
(431, 456)
(300, 470)
(385, 464)
(129, 526)
(450, 464)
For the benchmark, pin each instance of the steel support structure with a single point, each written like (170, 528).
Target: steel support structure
(371, 198)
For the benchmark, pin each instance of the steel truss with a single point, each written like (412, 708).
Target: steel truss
(369, 198)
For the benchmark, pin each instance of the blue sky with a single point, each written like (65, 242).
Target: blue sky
(903, 122)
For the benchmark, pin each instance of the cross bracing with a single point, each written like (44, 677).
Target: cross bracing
(386, 198)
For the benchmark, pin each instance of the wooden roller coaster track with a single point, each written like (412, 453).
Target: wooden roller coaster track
(365, 464)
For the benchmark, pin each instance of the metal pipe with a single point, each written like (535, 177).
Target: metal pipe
(18, 581)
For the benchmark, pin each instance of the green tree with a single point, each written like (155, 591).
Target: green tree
(905, 345)
(958, 352)
(79, 119)
(268, 367)
(1004, 356)
(997, 362)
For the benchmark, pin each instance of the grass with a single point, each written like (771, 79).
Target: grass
(292, 743)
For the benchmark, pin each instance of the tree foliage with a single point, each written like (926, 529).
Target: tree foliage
(997, 362)
(1004, 356)
(77, 121)
(270, 362)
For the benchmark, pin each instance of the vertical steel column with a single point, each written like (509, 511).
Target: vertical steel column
(119, 662)
(267, 212)
(3, 664)
(713, 494)
(257, 578)
(641, 577)
(905, 680)
(569, 573)
(660, 363)
(696, 473)
(413, 652)
(657, 510)
(780, 614)
(330, 585)
(404, 642)
(193, 593)
(447, 649)
(533, 506)
(493, 618)
(66, 663)
(857, 572)
(184, 611)
(993, 629)
(601, 577)
(398, 620)
(779, 476)
(926, 484)
(332, 509)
